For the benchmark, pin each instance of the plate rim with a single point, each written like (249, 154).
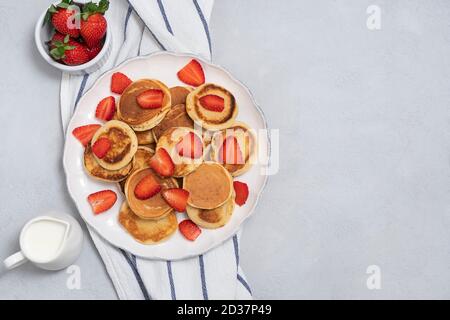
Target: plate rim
(215, 243)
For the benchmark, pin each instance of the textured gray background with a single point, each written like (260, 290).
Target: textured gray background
(364, 137)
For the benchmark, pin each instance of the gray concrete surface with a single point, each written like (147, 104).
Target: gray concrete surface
(364, 148)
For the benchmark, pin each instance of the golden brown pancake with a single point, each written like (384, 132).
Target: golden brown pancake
(140, 161)
(97, 171)
(247, 143)
(176, 117)
(155, 207)
(138, 118)
(213, 218)
(169, 141)
(123, 144)
(145, 137)
(210, 186)
(211, 120)
(179, 94)
(147, 231)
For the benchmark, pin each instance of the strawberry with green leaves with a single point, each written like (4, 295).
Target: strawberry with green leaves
(93, 23)
(70, 52)
(64, 17)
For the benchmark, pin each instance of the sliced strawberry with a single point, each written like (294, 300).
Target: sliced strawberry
(106, 108)
(192, 73)
(190, 146)
(147, 188)
(102, 200)
(162, 163)
(230, 152)
(101, 147)
(119, 82)
(150, 99)
(241, 190)
(212, 102)
(85, 133)
(176, 198)
(189, 230)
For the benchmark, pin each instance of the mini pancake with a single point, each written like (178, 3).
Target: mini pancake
(176, 117)
(140, 161)
(155, 207)
(95, 170)
(213, 218)
(212, 120)
(247, 143)
(169, 141)
(147, 231)
(179, 94)
(210, 186)
(123, 144)
(145, 137)
(138, 118)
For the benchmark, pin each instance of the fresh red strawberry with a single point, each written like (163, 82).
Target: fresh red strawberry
(192, 73)
(162, 163)
(101, 147)
(176, 198)
(93, 23)
(189, 230)
(102, 200)
(190, 146)
(93, 52)
(56, 39)
(212, 102)
(93, 29)
(119, 82)
(147, 188)
(70, 52)
(106, 108)
(150, 99)
(241, 190)
(64, 18)
(230, 153)
(85, 133)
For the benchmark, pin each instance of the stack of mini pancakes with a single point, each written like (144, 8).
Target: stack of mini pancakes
(136, 133)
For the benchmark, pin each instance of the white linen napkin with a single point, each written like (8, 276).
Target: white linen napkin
(140, 27)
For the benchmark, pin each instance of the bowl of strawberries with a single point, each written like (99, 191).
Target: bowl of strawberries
(73, 37)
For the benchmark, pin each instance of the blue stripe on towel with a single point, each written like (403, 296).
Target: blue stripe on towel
(81, 90)
(130, 9)
(132, 262)
(244, 283)
(205, 24)
(236, 253)
(153, 35)
(163, 12)
(202, 276)
(172, 285)
(236, 249)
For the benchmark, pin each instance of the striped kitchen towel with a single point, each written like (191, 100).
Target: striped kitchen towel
(140, 27)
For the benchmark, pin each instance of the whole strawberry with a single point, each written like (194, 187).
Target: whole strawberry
(70, 52)
(57, 37)
(94, 51)
(93, 23)
(65, 18)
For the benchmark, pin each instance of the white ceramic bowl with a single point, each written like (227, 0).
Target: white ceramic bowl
(43, 33)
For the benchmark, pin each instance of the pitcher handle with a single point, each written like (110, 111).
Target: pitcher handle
(15, 260)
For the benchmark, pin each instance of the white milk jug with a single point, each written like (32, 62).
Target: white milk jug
(50, 242)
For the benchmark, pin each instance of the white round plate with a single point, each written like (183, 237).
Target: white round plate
(163, 66)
